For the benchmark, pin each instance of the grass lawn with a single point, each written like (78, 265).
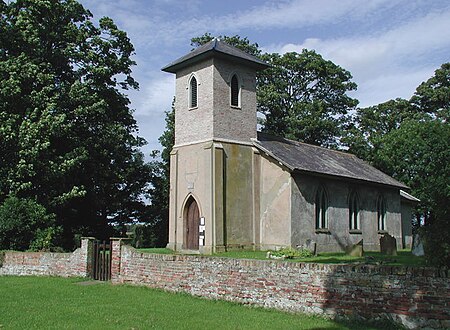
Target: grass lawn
(156, 250)
(59, 303)
(404, 257)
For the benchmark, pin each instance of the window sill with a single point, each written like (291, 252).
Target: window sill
(355, 231)
(194, 108)
(323, 231)
(235, 107)
(382, 232)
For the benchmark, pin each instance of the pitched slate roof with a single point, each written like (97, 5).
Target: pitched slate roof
(215, 47)
(307, 158)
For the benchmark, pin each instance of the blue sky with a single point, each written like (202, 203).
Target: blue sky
(389, 46)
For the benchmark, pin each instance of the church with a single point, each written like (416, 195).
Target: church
(232, 187)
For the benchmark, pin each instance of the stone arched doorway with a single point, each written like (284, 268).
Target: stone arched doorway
(191, 224)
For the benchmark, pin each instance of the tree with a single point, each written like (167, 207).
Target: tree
(409, 140)
(160, 181)
(242, 43)
(67, 133)
(433, 95)
(371, 124)
(417, 154)
(303, 97)
(20, 221)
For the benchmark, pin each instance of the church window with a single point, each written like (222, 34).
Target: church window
(235, 91)
(321, 209)
(353, 212)
(193, 97)
(381, 213)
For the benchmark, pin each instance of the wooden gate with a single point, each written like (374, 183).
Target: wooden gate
(102, 261)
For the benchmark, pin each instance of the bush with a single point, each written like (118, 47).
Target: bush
(290, 253)
(20, 220)
(45, 239)
(143, 236)
(437, 243)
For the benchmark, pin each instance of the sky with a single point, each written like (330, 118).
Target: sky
(389, 46)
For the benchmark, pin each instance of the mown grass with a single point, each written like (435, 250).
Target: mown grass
(156, 250)
(59, 303)
(404, 257)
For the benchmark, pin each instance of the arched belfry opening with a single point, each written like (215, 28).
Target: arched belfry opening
(191, 224)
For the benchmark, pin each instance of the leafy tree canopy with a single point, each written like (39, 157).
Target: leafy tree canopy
(67, 134)
(160, 181)
(236, 41)
(409, 140)
(433, 95)
(20, 220)
(304, 97)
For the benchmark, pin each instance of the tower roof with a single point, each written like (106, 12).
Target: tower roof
(216, 48)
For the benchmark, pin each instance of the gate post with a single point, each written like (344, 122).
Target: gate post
(116, 255)
(87, 248)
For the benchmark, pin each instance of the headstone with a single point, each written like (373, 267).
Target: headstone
(417, 246)
(388, 245)
(355, 250)
(309, 245)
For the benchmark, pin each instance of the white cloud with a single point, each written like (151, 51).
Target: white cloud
(299, 13)
(391, 64)
(386, 87)
(155, 96)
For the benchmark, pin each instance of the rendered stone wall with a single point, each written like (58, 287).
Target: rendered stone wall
(77, 263)
(416, 297)
(339, 235)
(275, 205)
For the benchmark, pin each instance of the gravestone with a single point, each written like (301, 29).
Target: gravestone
(388, 245)
(417, 246)
(309, 245)
(355, 250)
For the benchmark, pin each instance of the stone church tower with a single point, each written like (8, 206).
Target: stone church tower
(212, 188)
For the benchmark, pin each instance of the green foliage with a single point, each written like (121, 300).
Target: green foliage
(371, 124)
(157, 250)
(242, 43)
(436, 237)
(46, 239)
(144, 236)
(291, 253)
(21, 222)
(67, 134)
(409, 140)
(303, 97)
(433, 95)
(159, 179)
(403, 258)
(418, 154)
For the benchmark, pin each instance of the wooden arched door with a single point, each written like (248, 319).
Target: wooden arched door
(192, 221)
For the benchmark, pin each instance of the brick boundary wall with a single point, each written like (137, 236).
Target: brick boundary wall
(415, 297)
(77, 263)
